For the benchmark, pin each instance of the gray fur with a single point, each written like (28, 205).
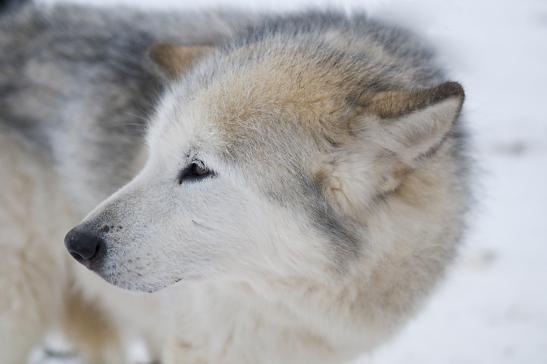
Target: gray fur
(76, 82)
(79, 76)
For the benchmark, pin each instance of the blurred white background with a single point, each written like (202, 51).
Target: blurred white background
(493, 306)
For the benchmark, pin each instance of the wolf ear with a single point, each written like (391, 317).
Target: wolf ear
(392, 133)
(413, 124)
(173, 59)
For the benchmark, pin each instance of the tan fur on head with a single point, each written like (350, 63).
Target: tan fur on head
(392, 104)
(174, 59)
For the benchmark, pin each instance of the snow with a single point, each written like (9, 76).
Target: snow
(492, 308)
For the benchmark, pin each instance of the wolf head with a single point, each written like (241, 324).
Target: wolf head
(274, 157)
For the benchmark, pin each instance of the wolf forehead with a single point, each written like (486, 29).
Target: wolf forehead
(305, 72)
(251, 92)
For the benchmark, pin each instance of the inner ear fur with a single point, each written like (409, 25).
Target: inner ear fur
(174, 59)
(392, 134)
(413, 124)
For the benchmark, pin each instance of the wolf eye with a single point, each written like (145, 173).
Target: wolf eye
(195, 171)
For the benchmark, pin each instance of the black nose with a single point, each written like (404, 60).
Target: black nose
(83, 245)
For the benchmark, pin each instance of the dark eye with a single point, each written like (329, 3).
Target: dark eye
(194, 172)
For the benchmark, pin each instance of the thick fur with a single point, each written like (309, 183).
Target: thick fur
(337, 186)
(73, 109)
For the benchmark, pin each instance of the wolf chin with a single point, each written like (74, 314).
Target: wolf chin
(264, 189)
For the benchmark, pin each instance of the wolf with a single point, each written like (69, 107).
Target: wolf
(268, 189)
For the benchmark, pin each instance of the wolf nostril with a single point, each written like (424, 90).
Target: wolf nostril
(83, 245)
(76, 256)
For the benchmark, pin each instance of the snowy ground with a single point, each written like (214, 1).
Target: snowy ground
(493, 306)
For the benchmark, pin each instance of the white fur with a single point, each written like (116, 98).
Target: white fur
(258, 281)
(297, 250)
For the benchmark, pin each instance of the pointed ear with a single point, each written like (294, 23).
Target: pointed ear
(391, 134)
(173, 59)
(413, 124)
